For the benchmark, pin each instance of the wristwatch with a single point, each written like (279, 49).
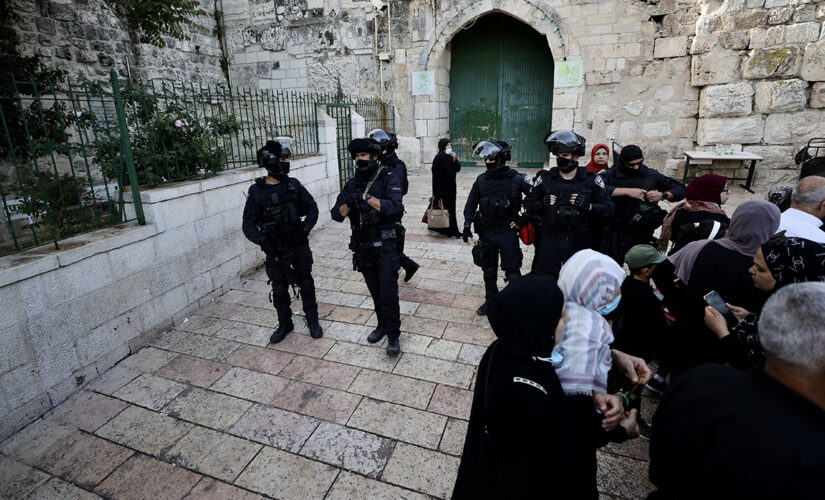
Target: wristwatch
(367, 197)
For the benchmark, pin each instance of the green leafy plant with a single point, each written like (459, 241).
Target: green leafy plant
(154, 19)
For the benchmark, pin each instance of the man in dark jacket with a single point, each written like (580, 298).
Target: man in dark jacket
(372, 202)
(272, 219)
(389, 144)
(445, 167)
(497, 194)
(723, 433)
(564, 197)
(636, 190)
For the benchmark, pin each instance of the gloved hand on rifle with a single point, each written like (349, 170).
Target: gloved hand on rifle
(467, 234)
(352, 200)
(269, 247)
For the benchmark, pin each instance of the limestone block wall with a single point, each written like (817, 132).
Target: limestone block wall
(66, 316)
(85, 36)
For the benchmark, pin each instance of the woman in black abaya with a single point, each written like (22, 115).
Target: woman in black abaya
(445, 168)
(515, 439)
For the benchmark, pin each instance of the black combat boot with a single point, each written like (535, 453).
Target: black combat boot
(376, 335)
(393, 346)
(482, 311)
(315, 330)
(409, 271)
(281, 331)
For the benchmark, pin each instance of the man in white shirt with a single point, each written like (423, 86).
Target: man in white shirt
(804, 218)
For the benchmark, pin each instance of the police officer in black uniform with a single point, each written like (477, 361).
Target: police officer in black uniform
(564, 197)
(389, 144)
(636, 190)
(272, 218)
(497, 195)
(372, 201)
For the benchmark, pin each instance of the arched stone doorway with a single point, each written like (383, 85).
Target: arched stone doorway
(501, 86)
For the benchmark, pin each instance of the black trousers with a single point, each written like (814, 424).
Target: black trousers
(504, 244)
(405, 261)
(619, 238)
(380, 269)
(554, 250)
(277, 272)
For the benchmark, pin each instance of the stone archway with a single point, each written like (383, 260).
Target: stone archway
(431, 112)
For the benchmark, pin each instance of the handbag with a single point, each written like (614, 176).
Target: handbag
(437, 216)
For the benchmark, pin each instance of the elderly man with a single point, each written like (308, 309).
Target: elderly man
(804, 218)
(723, 433)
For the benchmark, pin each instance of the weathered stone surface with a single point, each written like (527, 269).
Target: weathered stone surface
(251, 385)
(735, 40)
(422, 470)
(83, 459)
(767, 63)
(704, 43)
(150, 391)
(818, 95)
(212, 453)
(813, 63)
(57, 489)
(656, 129)
(144, 430)
(802, 33)
(435, 370)
(746, 130)
(453, 440)
(751, 19)
(670, 47)
(282, 429)
(393, 388)
(130, 480)
(18, 480)
(208, 408)
(796, 128)
(780, 95)
(714, 68)
(398, 422)
(349, 486)
(283, 475)
(87, 410)
(211, 489)
(348, 448)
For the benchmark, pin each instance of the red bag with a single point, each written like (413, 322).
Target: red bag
(527, 233)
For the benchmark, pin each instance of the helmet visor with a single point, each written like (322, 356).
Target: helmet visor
(286, 145)
(485, 149)
(380, 136)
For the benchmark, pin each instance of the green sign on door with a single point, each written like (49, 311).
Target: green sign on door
(501, 86)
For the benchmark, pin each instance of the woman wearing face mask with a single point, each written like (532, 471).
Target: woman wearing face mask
(519, 430)
(705, 196)
(445, 167)
(779, 262)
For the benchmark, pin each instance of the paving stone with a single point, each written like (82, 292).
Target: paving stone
(234, 296)
(361, 355)
(201, 346)
(275, 427)
(467, 302)
(346, 332)
(55, 489)
(144, 430)
(339, 298)
(258, 300)
(423, 326)
(327, 283)
(208, 408)
(469, 334)
(345, 314)
(169, 338)
(393, 388)
(422, 470)
(248, 384)
(471, 354)
(147, 360)
(349, 486)
(210, 489)
(86, 410)
(260, 359)
(193, 371)
(441, 298)
(455, 433)
(622, 476)
(304, 345)
(203, 325)
(320, 372)
(452, 402)
(223, 310)
(253, 285)
(17, 480)
(130, 480)
(633, 448)
(284, 475)
(256, 316)
(404, 306)
(355, 287)
(245, 333)
(316, 401)
(443, 285)
(398, 422)
(150, 391)
(34, 440)
(445, 313)
(212, 453)
(83, 459)
(348, 448)
(434, 370)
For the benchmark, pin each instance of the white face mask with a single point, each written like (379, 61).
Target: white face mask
(448, 151)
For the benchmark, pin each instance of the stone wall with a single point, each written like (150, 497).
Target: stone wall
(67, 316)
(85, 36)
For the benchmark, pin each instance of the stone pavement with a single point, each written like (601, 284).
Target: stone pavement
(210, 410)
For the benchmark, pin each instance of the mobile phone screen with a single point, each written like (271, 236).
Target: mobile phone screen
(715, 301)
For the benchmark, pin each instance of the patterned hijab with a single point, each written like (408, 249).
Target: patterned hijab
(589, 281)
(795, 260)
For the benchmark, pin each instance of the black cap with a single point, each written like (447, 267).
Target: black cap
(631, 152)
(363, 145)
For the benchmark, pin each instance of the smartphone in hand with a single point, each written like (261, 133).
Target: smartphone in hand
(714, 300)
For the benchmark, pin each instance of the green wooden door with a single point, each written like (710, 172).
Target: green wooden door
(501, 86)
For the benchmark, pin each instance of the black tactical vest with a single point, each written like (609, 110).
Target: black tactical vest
(562, 217)
(367, 221)
(500, 199)
(281, 214)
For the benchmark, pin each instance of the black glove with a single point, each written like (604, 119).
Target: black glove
(467, 234)
(352, 200)
(269, 247)
(546, 200)
(521, 220)
(582, 203)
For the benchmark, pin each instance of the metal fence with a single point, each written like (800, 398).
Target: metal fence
(73, 154)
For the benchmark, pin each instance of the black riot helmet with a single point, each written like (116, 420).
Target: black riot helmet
(491, 149)
(286, 146)
(565, 141)
(269, 157)
(364, 145)
(385, 140)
